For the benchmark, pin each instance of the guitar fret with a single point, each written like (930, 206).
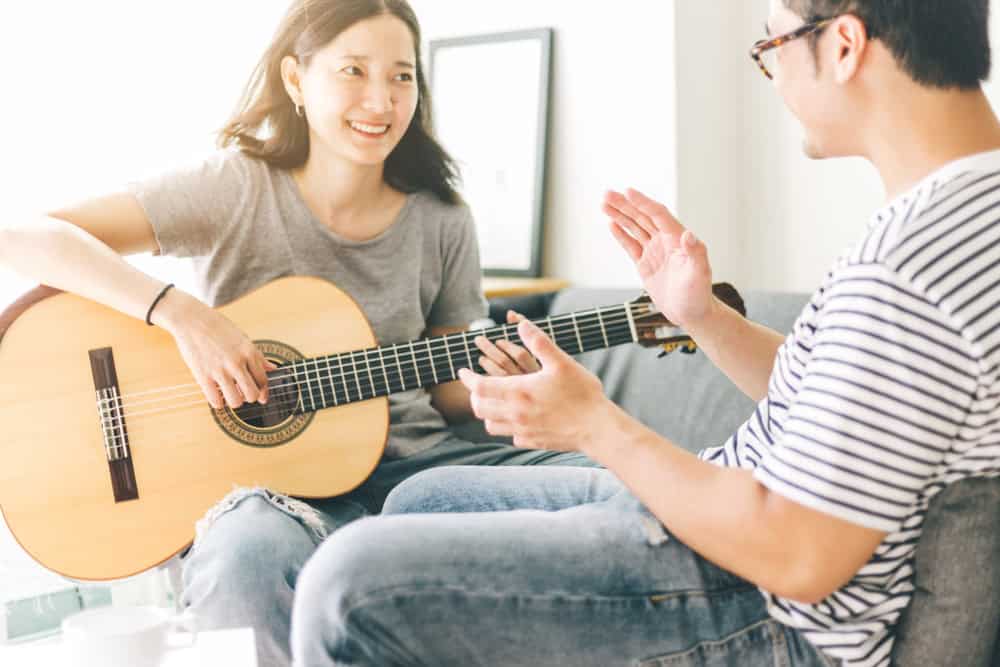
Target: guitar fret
(413, 360)
(430, 357)
(333, 387)
(343, 378)
(319, 382)
(402, 377)
(576, 329)
(385, 374)
(298, 386)
(357, 377)
(604, 331)
(371, 378)
(447, 353)
(465, 340)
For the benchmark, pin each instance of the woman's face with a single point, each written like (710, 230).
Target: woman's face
(359, 92)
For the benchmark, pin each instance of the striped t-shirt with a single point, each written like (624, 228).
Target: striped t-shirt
(885, 392)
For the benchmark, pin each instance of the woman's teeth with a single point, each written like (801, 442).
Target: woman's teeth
(370, 129)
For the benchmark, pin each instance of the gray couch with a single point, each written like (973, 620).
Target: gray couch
(955, 615)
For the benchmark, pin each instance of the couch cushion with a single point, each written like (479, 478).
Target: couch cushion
(954, 617)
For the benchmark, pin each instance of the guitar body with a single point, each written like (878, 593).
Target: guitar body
(55, 487)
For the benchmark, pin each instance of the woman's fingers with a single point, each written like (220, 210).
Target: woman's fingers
(498, 362)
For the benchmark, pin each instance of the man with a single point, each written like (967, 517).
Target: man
(793, 543)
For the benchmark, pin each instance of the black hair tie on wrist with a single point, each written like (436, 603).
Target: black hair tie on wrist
(163, 293)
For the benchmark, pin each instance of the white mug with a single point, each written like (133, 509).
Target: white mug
(123, 636)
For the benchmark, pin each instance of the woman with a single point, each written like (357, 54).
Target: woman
(328, 168)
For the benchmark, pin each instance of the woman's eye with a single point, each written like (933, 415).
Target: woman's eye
(405, 76)
(353, 70)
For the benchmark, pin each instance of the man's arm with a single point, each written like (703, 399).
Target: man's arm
(731, 519)
(745, 351)
(724, 514)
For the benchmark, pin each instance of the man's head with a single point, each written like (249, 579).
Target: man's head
(873, 51)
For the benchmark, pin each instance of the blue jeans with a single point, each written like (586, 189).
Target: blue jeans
(244, 566)
(575, 571)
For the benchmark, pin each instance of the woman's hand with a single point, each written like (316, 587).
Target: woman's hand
(505, 358)
(561, 407)
(226, 365)
(672, 262)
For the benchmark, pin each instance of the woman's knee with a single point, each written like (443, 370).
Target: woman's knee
(248, 544)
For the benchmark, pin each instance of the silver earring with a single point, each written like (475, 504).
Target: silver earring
(298, 111)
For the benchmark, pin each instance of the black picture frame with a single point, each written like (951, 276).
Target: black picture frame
(475, 79)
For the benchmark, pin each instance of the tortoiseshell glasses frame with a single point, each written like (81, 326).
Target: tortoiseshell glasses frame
(764, 45)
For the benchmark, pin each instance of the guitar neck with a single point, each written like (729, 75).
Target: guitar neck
(349, 377)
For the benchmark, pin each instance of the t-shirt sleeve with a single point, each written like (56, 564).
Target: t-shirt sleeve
(460, 300)
(885, 395)
(189, 207)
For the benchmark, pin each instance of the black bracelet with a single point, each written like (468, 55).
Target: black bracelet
(163, 293)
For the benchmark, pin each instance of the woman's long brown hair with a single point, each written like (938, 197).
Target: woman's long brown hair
(266, 126)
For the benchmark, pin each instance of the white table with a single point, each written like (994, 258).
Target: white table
(232, 648)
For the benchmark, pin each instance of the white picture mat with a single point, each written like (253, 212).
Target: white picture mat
(486, 106)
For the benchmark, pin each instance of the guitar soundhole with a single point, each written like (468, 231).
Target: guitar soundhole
(276, 423)
(284, 397)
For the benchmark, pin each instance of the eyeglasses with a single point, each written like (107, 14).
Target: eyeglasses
(764, 49)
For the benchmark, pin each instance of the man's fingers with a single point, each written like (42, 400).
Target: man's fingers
(540, 345)
(628, 224)
(655, 211)
(623, 209)
(492, 368)
(625, 240)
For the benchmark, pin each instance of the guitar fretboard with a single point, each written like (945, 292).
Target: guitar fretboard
(349, 377)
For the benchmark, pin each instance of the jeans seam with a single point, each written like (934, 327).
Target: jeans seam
(766, 623)
(416, 590)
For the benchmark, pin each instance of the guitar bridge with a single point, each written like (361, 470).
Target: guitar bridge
(112, 418)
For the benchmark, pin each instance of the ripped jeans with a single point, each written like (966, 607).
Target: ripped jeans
(250, 548)
(576, 572)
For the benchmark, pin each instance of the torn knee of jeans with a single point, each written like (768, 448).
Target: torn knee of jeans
(652, 529)
(298, 510)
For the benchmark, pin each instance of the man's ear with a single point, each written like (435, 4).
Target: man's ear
(849, 38)
(290, 77)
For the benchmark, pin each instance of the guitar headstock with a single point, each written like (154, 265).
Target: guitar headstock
(655, 330)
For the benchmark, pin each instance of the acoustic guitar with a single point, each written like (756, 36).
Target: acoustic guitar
(110, 452)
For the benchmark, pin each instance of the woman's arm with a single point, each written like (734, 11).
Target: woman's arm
(79, 250)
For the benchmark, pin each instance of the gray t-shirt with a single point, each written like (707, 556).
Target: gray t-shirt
(244, 223)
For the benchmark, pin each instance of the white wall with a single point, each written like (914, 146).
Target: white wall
(663, 96)
(612, 119)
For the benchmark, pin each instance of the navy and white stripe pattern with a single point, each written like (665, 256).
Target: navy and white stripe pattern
(885, 392)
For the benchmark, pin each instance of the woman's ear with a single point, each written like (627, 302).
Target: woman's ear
(851, 40)
(291, 78)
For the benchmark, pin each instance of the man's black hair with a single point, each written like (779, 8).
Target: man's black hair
(939, 43)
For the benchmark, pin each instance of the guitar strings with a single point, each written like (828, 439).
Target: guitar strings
(353, 367)
(257, 411)
(410, 352)
(375, 382)
(292, 395)
(438, 343)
